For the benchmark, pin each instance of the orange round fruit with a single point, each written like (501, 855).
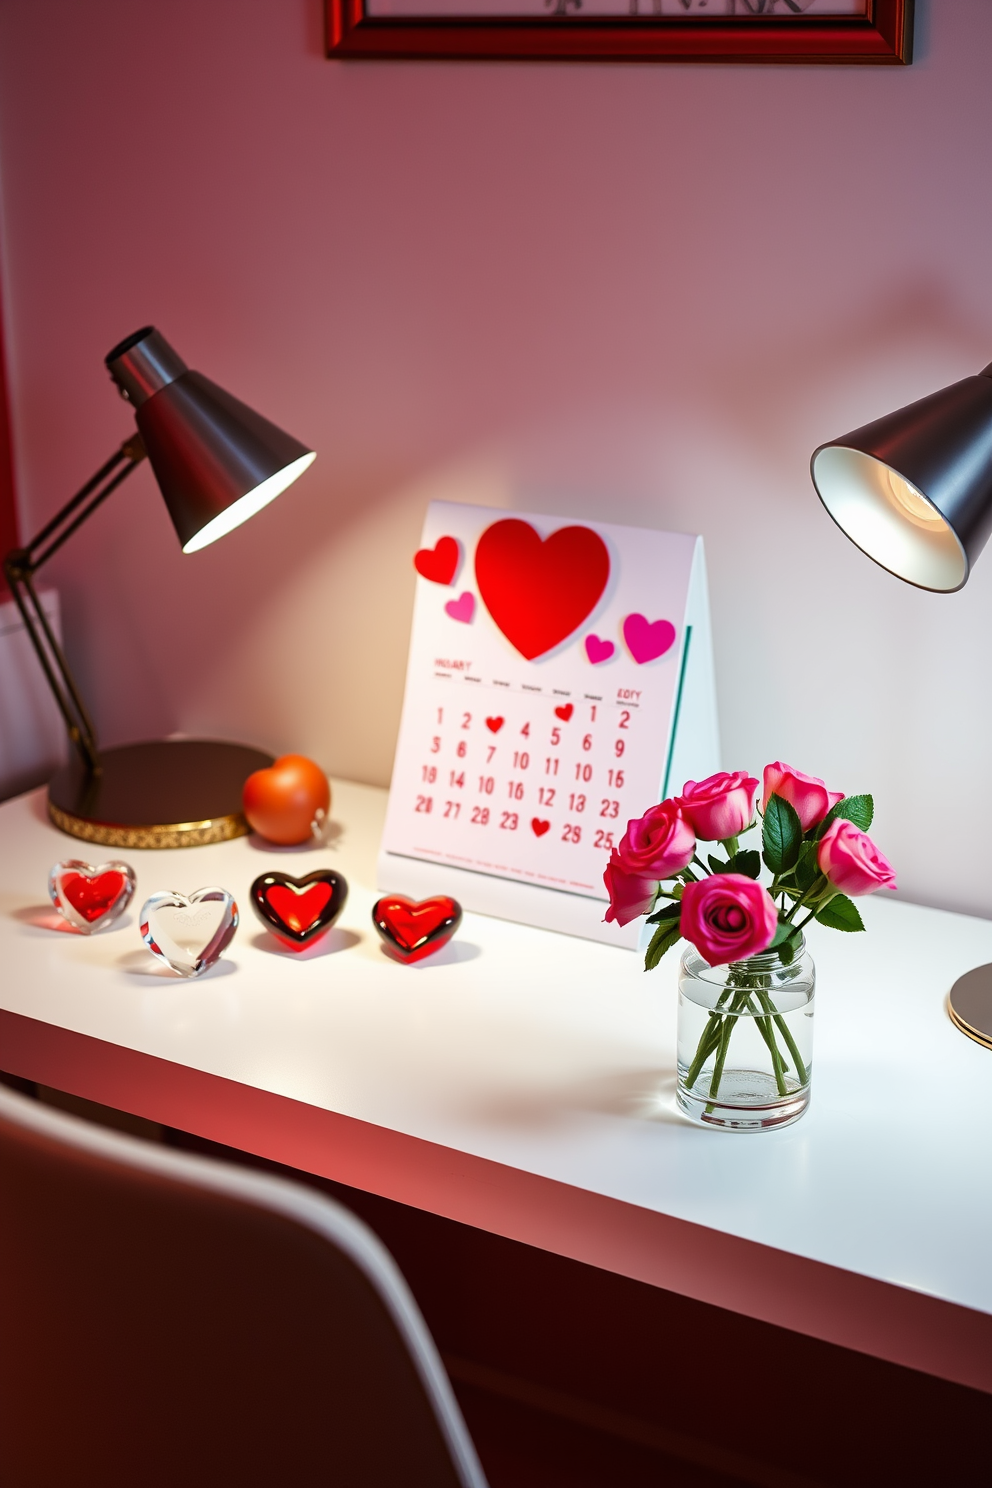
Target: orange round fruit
(282, 802)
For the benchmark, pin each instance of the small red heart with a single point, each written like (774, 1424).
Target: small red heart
(564, 712)
(495, 724)
(298, 910)
(92, 897)
(439, 563)
(539, 827)
(411, 930)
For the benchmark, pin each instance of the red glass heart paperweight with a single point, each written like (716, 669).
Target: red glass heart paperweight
(411, 930)
(91, 898)
(299, 910)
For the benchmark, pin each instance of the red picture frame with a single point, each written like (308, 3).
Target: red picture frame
(883, 37)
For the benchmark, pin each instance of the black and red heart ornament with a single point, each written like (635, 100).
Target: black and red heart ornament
(412, 929)
(299, 910)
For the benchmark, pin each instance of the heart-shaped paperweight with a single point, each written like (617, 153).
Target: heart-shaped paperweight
(189, 932)
(412, 930)
(299, 910)
(91, 898)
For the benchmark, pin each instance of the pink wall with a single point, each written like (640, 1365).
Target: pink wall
(638, 292)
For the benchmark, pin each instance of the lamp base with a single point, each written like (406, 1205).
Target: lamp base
(969, 1003)
(169, 793)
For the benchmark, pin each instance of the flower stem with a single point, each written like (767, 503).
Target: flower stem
(802, 900)
(764, 1026)
(707, 1043)
(708, 1040)
(729, 1022)
(783, 1029)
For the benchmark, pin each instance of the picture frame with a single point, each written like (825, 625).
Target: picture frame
(797, 32)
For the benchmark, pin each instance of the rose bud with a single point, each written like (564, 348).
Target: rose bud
(851, 862)
(806, 794)
(720, 806)
(728, 917)
(630, 896)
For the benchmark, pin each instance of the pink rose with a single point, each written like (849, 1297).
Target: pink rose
(630, 895)
(719, 807)
(806, 794)
(852, 862)
(658, 844)
(728, 917)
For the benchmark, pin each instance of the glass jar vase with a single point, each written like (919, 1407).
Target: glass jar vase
(745, 1040)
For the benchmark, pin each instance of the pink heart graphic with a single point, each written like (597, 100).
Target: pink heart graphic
(598, 650)
(462, 608)
(647, 640)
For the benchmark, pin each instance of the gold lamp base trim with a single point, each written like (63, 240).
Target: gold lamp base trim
(969, 1005)
(174, 834)
(163, 793)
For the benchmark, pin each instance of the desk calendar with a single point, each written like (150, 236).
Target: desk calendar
(559, 681)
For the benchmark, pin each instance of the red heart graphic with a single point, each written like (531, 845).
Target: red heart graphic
(495, 724)
(539, 591)
(299, 910)
(412, 930)
(539, 827)
(92, 897)
(564, 712)
(440, 563)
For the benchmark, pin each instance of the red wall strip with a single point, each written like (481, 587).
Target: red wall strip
(8, 504)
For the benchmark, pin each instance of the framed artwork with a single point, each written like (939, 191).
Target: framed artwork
(748, 31)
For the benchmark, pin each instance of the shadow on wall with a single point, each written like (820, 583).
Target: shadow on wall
(292, 633)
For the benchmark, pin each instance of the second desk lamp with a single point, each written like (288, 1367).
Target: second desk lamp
(913, 490)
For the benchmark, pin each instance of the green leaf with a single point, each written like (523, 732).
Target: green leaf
(661, 941)
(807, 870)
(840, 914)
(669, 912)
(717, 865)
(747, 862)
(785, 941)
(782, 836)
(856, 809)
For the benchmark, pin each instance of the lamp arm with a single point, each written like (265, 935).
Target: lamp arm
(21, 564)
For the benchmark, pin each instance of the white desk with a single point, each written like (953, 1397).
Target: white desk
(523, 1082)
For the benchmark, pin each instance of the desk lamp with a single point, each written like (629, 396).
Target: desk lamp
(913, 490)
(217, 463)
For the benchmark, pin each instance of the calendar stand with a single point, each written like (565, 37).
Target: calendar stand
(560, 680)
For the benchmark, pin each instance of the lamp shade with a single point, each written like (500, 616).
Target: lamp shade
(216, 460)
(913, 490)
